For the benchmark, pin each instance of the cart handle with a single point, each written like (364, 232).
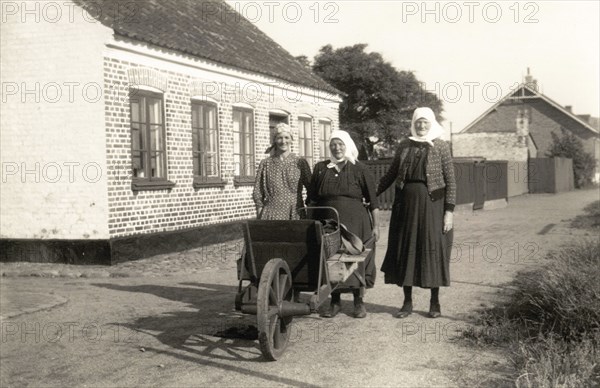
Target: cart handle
(322, 207)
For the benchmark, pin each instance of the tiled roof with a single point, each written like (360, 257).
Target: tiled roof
(524, 91)
(209, 29)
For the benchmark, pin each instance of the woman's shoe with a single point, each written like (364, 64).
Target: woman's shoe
(435, 310)
(405, 311)
(360, 310)
(332, 311)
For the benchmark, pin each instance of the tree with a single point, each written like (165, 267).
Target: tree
(379, 99)
(304, 61)
(569, 146)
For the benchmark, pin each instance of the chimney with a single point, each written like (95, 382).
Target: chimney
(530, 82)
(569, 108)
(585, 118)
(523, 121)
(528, 78)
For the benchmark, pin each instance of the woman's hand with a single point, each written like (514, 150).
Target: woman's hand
(448, 221)
(375, 221)
(258, 212)
(376, 233)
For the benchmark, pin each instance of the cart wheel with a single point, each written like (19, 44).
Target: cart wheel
(273, 330)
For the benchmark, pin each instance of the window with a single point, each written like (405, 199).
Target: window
(148, 148)
(243, 146)
(205, 144)
(324, 133)
(305, 139)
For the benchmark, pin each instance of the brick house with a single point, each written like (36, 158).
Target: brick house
(132, 128)
(519, 127)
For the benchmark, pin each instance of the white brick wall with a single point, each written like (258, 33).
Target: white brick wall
(56, 130)
(492, 146)
(183, 206)
(93, 131)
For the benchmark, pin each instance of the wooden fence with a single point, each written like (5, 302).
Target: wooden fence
(477, 180)
(550, 175)
(378, 168)
(496, 179)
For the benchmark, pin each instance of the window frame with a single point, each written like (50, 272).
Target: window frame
(204, 180)
(324, 142)
(306, 143)
(242, 179)
(148, 182)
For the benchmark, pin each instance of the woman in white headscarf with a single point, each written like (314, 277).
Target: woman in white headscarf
(342, 182)
(420, 234)
(280, 178)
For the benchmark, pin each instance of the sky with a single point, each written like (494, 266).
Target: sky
(469, 53)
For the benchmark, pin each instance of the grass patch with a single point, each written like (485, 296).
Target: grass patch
(547, 361)
(591, 218)
(551, 323)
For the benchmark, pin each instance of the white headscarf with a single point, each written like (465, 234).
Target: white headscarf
(435, 131)
(351, 150)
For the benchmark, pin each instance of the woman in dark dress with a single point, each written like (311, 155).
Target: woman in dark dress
(420, 234)
(346, 185)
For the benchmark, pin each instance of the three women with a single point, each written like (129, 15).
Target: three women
(420, 234)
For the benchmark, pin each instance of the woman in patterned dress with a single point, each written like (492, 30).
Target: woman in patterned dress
(420, 236)
(280, 178)
(347, 185)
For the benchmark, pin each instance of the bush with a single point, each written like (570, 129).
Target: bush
(569, 146)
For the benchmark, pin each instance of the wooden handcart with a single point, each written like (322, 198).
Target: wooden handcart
(280, 260)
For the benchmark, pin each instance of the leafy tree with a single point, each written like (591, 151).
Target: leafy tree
(569, 146)
(304, 61)
(379, 99)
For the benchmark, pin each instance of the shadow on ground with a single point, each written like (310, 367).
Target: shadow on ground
(190, 335)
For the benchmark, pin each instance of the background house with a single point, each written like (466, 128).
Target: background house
(134, 128)
(519, 127)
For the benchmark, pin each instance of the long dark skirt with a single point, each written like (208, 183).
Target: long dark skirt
(356, 218)
(418, 252)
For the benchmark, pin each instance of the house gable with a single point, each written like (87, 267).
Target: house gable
(544, 117)
(524, 95)
(53, 132)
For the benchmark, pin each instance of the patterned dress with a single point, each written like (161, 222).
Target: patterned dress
(278, 186)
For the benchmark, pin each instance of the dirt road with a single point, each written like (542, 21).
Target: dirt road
(160, 331)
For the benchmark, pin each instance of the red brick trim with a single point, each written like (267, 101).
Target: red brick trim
(147, 77)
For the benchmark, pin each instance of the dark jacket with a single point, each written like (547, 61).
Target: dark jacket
(439, 169)
(360, 184)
